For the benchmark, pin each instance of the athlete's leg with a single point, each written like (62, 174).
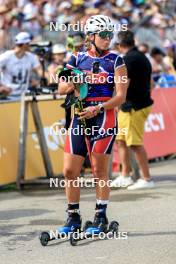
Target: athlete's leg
(74, 154)
(100, 167)
(72, 168)
(101, 146)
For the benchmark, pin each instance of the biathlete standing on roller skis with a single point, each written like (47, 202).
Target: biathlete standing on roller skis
(98, 111)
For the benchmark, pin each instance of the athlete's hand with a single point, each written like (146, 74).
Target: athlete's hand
(85, 114)
(65, 88)
(88, 112)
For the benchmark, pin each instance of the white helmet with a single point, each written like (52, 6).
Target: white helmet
(98, 23)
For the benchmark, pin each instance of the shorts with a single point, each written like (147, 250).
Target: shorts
(100, 132)
(133, 124)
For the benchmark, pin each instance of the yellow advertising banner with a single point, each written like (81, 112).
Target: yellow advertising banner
(51, 113)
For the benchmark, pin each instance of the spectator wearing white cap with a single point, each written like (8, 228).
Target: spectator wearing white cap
(16, 66)
(58, 60)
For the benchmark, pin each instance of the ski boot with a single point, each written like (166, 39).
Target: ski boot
(73, 224)
(91, 230)
(100, 224)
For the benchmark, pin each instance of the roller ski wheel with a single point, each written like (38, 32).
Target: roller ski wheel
(73, 240)
(44, 238)
(74, 236)
(87, 225)
(100, 224)
(114, 227)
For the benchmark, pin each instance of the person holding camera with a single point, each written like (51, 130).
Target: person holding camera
(16, 67)
(133, 113)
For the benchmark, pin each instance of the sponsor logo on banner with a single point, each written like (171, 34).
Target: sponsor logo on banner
(54, 141)
(155, 122)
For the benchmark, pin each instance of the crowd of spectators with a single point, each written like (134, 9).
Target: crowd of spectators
(152, 21)
(143, 16)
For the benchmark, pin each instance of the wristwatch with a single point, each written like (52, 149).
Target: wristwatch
(101, 108)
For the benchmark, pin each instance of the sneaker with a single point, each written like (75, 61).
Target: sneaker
(122, 181)
(141, 184)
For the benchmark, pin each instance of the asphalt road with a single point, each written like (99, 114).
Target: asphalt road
(148, 217)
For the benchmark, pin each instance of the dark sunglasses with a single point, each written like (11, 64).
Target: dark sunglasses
(106, 34)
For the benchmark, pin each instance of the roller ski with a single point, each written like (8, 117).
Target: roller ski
(96, 228)
(73, 224)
